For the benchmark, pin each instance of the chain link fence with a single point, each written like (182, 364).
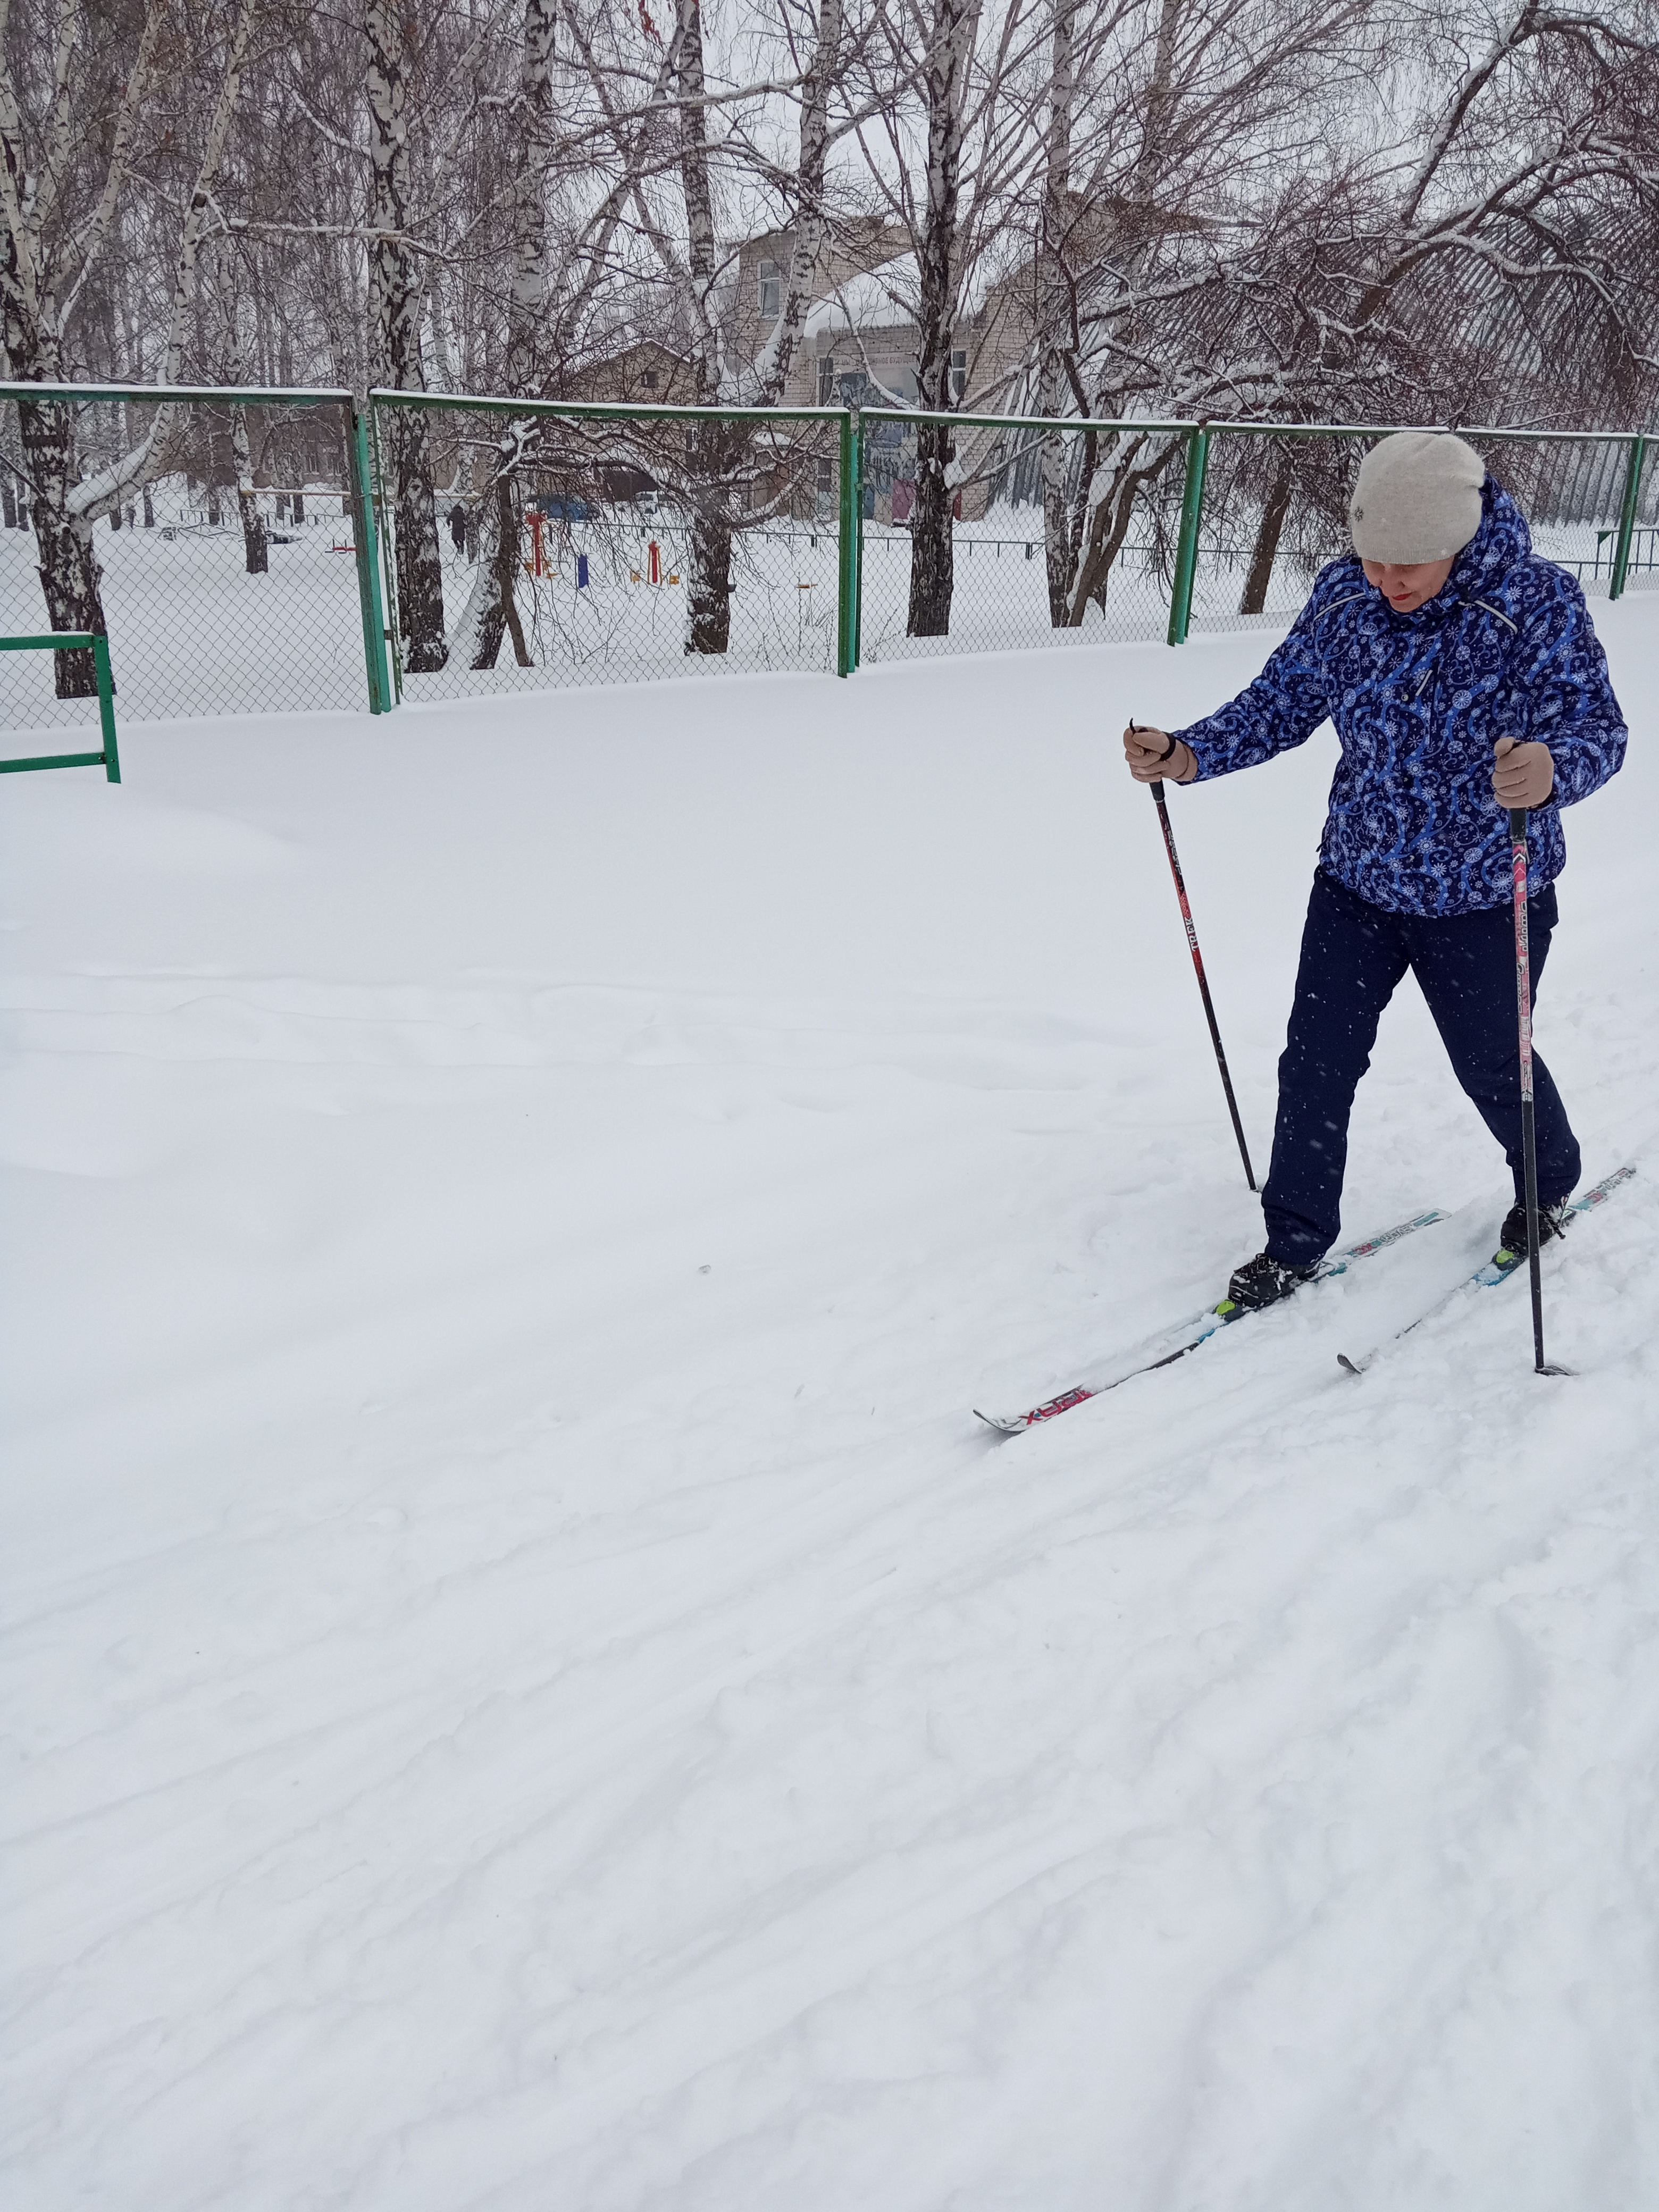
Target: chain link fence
(1020, 550)
(210, 537)
(259, 551)
(1086, 533)
(1274, 511)
(529, 545)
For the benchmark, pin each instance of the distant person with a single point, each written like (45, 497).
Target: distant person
(458, 527)
(1464, 677)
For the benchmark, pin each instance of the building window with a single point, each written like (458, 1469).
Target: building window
(958, 374)
(826, 380)
(771, 289)
(650, 379)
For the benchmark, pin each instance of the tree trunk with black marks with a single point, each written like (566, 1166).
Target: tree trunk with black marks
(69, 573)
(932, 553)
(1137, 464)
(932, 540)
(491, 611)
(500, 614)
(420, 568)
(40, 271)
(1056, 335)
(811, 223)
(395, 337)
(256, 545)
(709, 592)
(708, 455)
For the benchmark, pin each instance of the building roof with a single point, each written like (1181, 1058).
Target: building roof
(887, 294)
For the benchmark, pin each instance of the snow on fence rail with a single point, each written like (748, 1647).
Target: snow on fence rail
(257, 549)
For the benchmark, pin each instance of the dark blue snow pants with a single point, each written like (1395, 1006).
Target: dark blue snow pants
(1354, 954)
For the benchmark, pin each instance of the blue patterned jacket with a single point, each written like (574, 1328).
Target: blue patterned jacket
(1505, 648)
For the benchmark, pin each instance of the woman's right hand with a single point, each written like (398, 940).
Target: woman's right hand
(1150, 759)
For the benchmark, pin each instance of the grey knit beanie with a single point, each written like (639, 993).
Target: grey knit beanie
(1418, 497)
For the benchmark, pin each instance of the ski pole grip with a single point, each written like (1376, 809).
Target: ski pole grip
(1170, 745)
(1157, 787)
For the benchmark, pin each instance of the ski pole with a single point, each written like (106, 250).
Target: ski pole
(1198, 969)
(1528, 1127)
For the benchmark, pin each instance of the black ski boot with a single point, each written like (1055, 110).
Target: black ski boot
(1552, 1221)
(1263, 1282)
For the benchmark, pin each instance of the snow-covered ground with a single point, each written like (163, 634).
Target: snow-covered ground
(524, 1685)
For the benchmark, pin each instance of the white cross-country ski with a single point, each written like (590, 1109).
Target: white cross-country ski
(1174, 1343)
(1498, 1269)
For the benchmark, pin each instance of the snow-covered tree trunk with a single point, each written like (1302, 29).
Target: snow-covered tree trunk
(1112, 499)
(1103, 505)
(709, 445)
(811, 222)
(491, 611)
(256, 547)
(527, 300)
(395, 344)
(716, 453)
(44, 260)
(945, 77)
(36, 285)
(718, 457)
(1055, 318)
(69, 573)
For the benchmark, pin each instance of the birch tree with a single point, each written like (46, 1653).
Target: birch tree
(256, 548)
(945, 68)
(491, 611)
(394, 315)
(955, 156)
(1201, 177)
(1057, 385)
(721, 458)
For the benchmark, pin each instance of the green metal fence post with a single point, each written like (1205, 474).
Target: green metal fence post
(73, 641)
(363, 533)
(106, 705)
(1627, 517)
(394, 623)
(858, 538)
(850, 579)
(1191, 506)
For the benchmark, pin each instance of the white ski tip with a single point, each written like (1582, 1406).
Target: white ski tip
(1352, 1366)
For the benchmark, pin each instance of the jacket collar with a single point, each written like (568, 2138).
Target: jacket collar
(1480, 568)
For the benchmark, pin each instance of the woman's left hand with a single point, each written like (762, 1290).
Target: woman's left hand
(1522, 775)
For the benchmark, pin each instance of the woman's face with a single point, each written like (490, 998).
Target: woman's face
(1407, 584)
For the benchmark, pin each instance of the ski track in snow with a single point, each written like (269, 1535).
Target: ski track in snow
(525, 1684)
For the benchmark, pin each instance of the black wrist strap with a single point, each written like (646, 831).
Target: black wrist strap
(1167, 751)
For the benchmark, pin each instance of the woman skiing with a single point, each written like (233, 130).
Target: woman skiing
(1464, 678)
